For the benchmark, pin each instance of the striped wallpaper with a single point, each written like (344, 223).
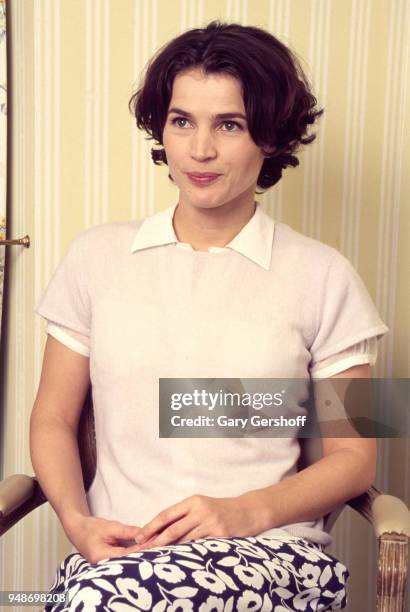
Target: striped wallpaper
(78, 160)
(3, 146)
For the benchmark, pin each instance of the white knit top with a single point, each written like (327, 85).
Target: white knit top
(273, 303)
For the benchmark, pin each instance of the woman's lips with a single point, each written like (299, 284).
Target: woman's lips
(203, 180)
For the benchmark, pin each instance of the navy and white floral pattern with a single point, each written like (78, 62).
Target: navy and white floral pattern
(266, 573)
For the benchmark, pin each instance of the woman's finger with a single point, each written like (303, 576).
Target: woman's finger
(171, 534)
(194, 534)
(108, 553)
(120, 530)
(161, 521)
(131, 549)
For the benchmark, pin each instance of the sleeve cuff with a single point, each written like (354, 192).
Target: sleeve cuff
(360, 353)
(342, 365)
(68, 339)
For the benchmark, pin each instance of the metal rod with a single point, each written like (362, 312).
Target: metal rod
(23, 241)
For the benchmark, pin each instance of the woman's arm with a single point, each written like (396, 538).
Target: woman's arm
(54, 420)
(347, 469)
(55, 456)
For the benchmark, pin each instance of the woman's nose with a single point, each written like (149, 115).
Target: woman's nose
(203, 145)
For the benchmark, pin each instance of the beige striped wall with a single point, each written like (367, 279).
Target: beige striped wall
(78, 160)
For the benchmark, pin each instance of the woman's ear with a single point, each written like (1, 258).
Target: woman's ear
(267, 151)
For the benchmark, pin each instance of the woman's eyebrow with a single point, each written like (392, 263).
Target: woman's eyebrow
(174, 109)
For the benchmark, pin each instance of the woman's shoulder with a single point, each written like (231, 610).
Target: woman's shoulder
(106, 235)
(294, 246)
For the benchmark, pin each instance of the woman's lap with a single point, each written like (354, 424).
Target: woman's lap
(274, 573)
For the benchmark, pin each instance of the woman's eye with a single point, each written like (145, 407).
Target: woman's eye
(174, 121)
(233, 123)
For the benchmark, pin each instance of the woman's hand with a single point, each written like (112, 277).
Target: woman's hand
(97, 538)
(200, 516)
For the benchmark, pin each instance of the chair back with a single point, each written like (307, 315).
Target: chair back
(310, 452)
(86, 441)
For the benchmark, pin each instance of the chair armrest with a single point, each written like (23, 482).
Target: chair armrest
(387, 514)
(364, 503)
(14, 491)
(390, 515)
(19, 495)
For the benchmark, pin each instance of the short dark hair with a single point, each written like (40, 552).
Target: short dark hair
(277, 98)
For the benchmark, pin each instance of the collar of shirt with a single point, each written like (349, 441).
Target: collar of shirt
(253, 241)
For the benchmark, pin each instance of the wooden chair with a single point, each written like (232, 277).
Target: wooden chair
(389, 516)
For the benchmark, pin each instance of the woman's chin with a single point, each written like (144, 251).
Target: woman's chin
(202, 202)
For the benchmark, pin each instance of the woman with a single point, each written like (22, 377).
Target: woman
(210, 286)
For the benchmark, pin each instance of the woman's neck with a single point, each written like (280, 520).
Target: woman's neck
(206, 227)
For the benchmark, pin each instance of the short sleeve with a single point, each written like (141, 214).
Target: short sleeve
(73, 340)
(358, 354)
(345, 315)
(66, 299)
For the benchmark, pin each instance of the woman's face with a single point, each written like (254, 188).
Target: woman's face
(203, 143)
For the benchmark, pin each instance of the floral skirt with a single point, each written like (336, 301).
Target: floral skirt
(265, 573)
